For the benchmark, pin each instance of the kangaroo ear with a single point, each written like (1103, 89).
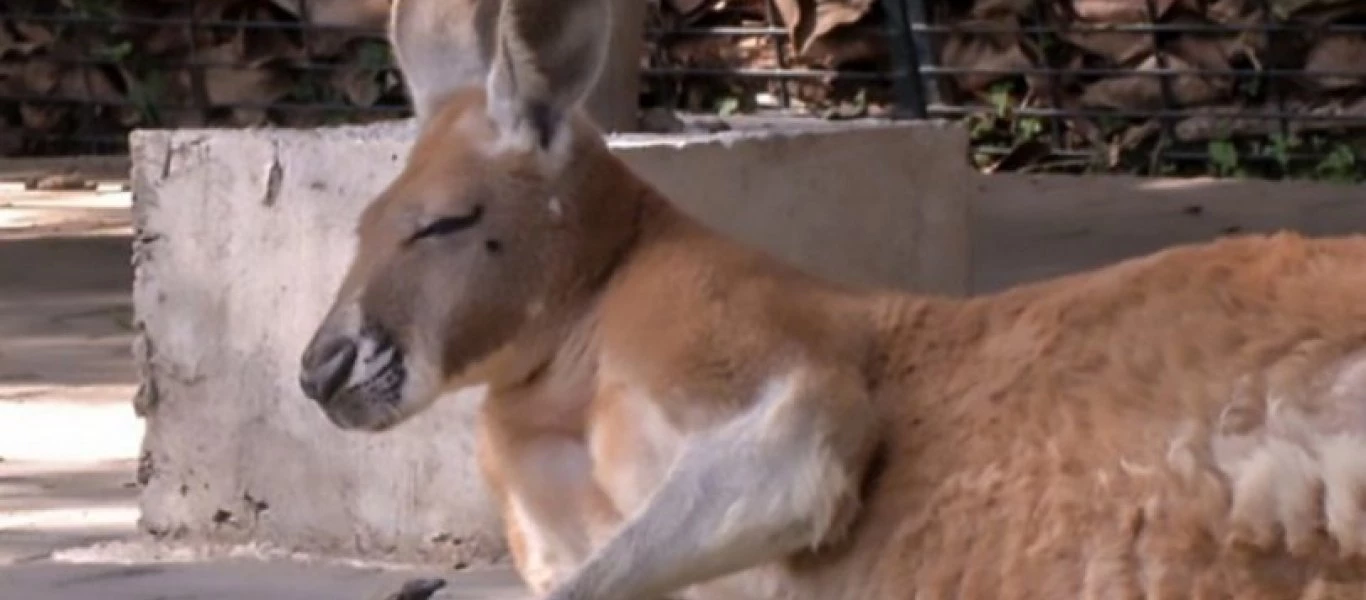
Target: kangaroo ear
(442, 46)
(549, 54)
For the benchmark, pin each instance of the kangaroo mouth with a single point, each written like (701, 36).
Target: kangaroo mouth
(371, 404)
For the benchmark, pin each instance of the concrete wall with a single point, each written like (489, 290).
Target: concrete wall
(1029, 227)
(243, 235)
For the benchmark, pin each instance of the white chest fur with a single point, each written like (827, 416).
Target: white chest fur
(632, 445)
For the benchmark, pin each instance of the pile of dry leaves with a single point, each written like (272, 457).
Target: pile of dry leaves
(158, 63)
(1316, 72)
(825, 41)
(82, 69)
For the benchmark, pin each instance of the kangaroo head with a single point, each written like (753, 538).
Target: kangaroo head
(483, 233)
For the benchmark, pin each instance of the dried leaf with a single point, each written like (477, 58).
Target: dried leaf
(991, 9)
(165, 40)
(366, 14)
(1144, 91)
(34, 33)
(1019, 156)
(1116, 47)
(1118, 11)
(1225, 121)
(91, 84)
(1324, 15)
(995, 52)
(686, 7)
(360, 86)
(810, 20)
(39, 77)
(1337, 53)
(1286, 8)
(1052, 87)
(1231, 12)
(243, 85)
(1207, 53)
(40, 118)
(248, 117)
(1131, 138)
(22, 45)
(842, 47)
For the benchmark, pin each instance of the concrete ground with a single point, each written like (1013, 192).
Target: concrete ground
(69, 438)
(237, 580)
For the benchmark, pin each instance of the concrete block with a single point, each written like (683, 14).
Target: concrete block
(242, 236)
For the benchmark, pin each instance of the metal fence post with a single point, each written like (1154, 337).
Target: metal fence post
(909, 51)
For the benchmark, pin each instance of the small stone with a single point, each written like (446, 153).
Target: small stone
(62, 181)
(418, 589)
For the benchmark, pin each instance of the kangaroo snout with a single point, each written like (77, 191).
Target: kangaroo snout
(326, 366)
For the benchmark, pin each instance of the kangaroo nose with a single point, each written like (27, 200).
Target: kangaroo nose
(326, 366)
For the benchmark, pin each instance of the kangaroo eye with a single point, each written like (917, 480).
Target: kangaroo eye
(449, 225)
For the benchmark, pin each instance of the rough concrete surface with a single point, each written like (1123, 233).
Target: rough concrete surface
(242, 237)
(69, 439)
(1028, 227)
(864, 203)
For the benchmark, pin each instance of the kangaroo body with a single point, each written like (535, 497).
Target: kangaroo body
(672, 415)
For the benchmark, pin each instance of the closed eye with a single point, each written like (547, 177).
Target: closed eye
(448, 225)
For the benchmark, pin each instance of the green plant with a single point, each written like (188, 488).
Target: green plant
(374, 56)
(1339, 165)
(146, 92)
(1280, 149)
(104, 9)
(1224, 158)
(727, 106)
(1027, 129)
(116, 52)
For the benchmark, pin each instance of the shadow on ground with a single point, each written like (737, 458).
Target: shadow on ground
(69, 438)
(65, 313)
(45, 506)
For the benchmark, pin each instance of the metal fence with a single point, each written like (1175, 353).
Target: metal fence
(76, 76)
(1244, 87)
(1284, 95)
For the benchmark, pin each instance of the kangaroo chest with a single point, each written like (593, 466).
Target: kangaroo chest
(632, 444)
(565, 490)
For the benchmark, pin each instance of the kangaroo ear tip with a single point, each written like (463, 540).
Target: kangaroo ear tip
(441, 46)
(549, 55)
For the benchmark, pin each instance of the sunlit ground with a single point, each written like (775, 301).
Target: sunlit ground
(100, 212)
(69, 438)
(67, 424)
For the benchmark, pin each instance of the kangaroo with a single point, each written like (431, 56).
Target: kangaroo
(672, 414)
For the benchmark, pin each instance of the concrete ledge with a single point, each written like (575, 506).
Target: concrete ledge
(242, 236)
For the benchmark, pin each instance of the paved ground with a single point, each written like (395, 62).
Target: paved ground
(68, 435)
(69, 438)
(241, 579)
(237, 580)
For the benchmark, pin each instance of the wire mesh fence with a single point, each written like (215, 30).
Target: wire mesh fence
(76, 76)
(1273, 88)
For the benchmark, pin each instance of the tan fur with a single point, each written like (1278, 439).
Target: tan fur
(671, 414)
